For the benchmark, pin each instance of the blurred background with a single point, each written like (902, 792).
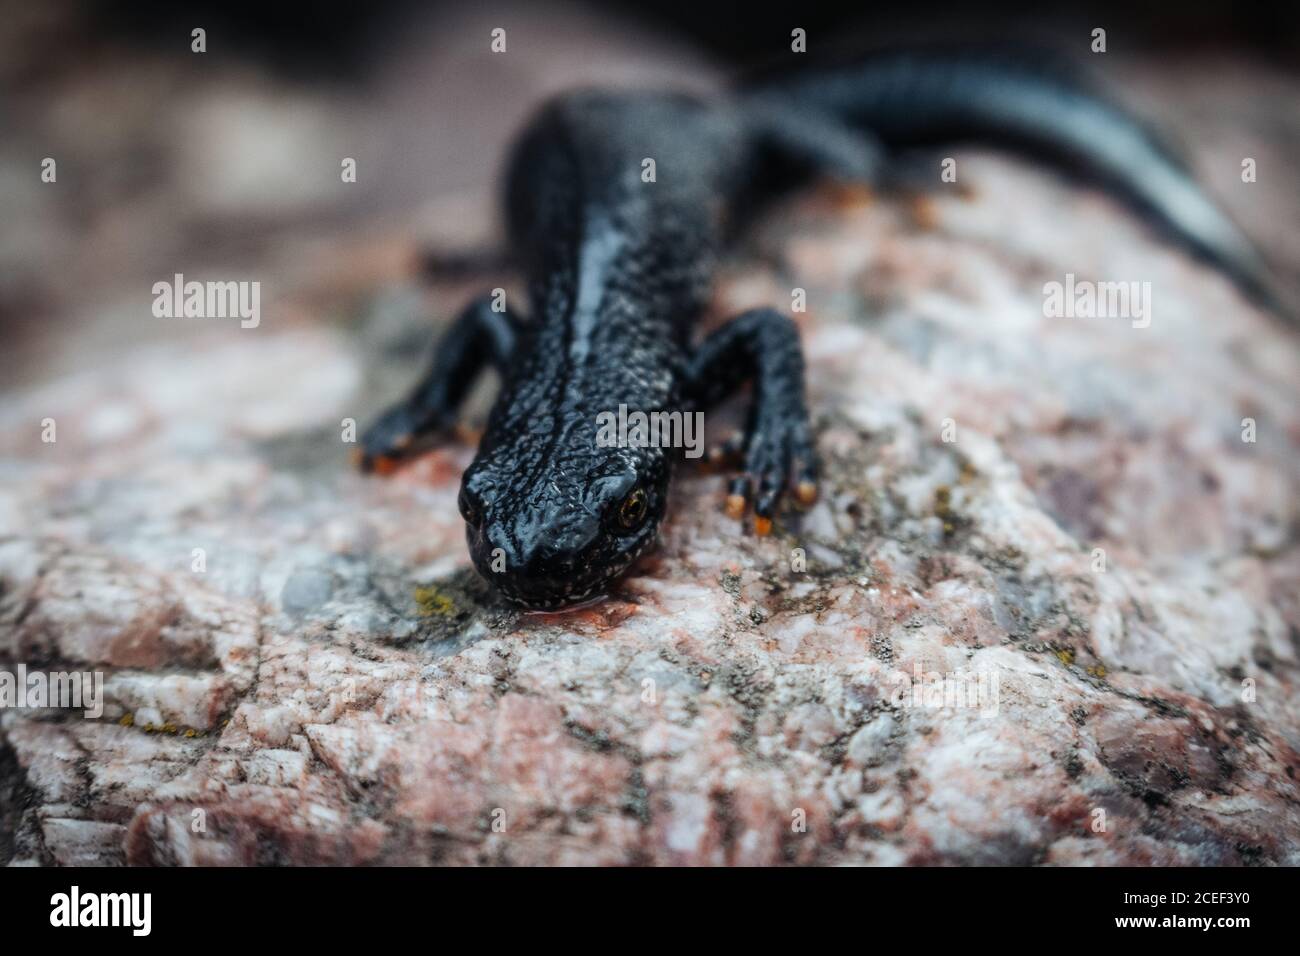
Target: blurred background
(226, 163)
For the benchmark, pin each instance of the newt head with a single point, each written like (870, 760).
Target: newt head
(554, 522)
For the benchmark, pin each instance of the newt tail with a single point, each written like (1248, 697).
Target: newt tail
(1028, 103)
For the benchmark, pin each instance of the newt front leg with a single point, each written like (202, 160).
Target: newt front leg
(480, 336)
(760, 346)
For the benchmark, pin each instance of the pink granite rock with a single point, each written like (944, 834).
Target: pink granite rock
(1068, 635)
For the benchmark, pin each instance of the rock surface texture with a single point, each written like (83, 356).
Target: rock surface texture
(300, 666)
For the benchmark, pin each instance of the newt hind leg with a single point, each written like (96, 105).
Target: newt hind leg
(811, 143)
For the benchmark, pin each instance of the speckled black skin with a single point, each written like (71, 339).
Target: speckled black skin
(619, 271)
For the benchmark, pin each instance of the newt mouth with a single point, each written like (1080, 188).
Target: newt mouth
(555, 593)
(548, 605)
(546, 595)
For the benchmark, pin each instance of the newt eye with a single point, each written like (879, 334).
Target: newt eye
(633, 510)
(469, 509)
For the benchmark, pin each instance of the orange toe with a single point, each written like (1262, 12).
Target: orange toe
(384, 465)
(805, 492)
(852, 195)
(470, 436)
(925, 212)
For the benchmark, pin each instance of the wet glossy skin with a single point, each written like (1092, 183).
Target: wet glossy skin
(619, 271)
(620, 255)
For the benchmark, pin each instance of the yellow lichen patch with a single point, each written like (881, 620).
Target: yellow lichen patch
(943, 508)
(433, 603)
(128, 720)
(1065, 656)
(1097, 670)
